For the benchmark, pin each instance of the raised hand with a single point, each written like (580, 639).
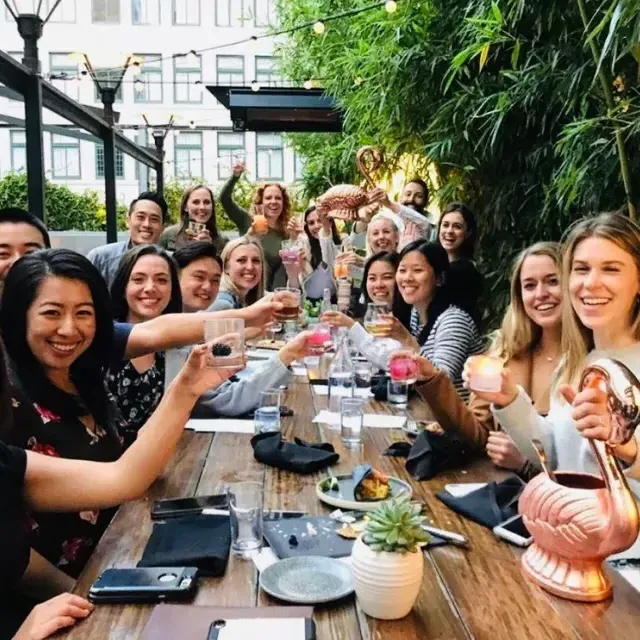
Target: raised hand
(502, 398)
(589, 411)
(337, 319)
(51, 616)
(238, 168)
(426, 370)
(197, 376)
(295, 349)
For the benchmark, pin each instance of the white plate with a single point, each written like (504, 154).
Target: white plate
(343, 497)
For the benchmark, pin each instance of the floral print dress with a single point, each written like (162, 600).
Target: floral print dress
(136, 394)
(65, 539)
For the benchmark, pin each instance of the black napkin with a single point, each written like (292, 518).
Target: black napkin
(192, 541)
(297, 456)
(432, 453)
(489, 506)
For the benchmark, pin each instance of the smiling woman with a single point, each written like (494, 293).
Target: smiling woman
(56, 323)
(145, 287)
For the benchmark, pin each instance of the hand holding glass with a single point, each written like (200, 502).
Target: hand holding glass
(290, 299)
(403, 369)
(375, 321)
(319, 340)
(485, 374)
(227, 342)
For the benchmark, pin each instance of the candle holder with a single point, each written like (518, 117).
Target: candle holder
(485, 374)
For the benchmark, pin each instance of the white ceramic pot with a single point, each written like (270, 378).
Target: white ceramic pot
(387, 584)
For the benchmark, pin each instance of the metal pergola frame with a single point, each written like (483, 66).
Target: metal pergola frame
(38, 94)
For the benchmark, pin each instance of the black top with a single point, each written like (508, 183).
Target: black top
(65, 539)
(465, 285)
(136, 394)
(14, 542)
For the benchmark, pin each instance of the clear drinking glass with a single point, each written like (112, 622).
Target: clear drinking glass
(374, 322)
(290, 299)
(227, 338)
(485, 373)
(266, 420)
(245, 517)
(403, 369)
(289, 252)
(351, 418)
(320, 339)
(398, 394)
(363, 373)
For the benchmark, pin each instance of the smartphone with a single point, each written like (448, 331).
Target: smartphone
(463, 488)
(196, 227)
(144, 584)
(514, 531)
(177, 507)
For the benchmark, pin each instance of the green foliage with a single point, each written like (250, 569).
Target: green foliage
(502, 97)
(65, 209)
(395, 526)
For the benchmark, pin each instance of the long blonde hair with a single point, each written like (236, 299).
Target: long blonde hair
(227, 284)
(518, 333)
(577, 340)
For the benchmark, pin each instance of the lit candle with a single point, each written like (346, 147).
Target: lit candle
(485, 374)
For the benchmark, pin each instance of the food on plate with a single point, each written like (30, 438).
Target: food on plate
(330, 484)
(370, 484)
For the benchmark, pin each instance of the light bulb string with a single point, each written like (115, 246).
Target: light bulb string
(280, 32)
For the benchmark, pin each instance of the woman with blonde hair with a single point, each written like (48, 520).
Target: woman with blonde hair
(243, 275)
(197, 221)
(267, 223)
(528, 342)
(601, 318)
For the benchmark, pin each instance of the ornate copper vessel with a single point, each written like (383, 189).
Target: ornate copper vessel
(579, 519)
(350, 202)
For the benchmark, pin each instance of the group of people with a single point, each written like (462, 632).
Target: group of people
(98, 375)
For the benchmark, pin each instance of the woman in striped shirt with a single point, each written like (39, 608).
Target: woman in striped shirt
(442, 332)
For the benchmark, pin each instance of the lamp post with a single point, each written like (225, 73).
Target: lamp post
(107, 78)
(159, 133)
(26, 13)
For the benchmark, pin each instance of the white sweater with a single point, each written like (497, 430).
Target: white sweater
(566, 449)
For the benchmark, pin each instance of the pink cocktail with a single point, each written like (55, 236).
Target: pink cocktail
(319, 340)
(403, 369)
(289, 256)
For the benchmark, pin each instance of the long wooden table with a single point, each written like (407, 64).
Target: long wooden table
(477, 592)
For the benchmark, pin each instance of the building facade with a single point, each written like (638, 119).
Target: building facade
(170, 82)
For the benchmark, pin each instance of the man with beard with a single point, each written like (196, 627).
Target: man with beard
(419, 223)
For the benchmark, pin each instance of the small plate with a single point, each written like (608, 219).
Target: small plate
(343, 497)
(307, 580)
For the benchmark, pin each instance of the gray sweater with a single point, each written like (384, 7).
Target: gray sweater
(106, 259)
(234, 397)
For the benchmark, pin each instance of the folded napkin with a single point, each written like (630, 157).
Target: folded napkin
(489, 506)
(297, 456)
(191, 541)
(432, 453)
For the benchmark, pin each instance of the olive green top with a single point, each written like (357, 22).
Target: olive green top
(271, 242)
(173, 239)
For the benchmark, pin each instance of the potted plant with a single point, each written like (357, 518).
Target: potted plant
(387, 559)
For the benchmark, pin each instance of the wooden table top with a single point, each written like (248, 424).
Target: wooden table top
(478, 592)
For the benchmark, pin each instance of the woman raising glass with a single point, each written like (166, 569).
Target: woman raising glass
(268, 224)
(145, 287)
(197, 221)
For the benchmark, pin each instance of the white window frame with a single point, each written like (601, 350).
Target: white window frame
(146, 8)
(225, 72)
(191, 149)
(267, 77)
(269, 150)
(71, 86)
(185, 7)
(120, 163)
(151, 71)
(110, 9)
(65, 12)
(187, 76)
(227, 151)
(67, 144)
(18, 146)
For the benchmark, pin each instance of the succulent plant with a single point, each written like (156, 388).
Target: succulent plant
(395, 526)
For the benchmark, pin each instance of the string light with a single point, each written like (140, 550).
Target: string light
(319, 28)
(391, 6)
(192, 58)
(308, 84)
(192, 124)
(138, 85)
(255, 86)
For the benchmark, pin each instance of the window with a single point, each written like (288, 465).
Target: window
(61, 65)
(267, 73)
(270, 156)
(65, 153)
(105, 11)
(145, 12)
(298, 168)
(230, 70)
(149, 89)
(100, 162)
(186, 73)
(234, 13)
(188, 154)
(264, 13)
(64, 12)
(229, 145)
(186, 12)
(18, 150)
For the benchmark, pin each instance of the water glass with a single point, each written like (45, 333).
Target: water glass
(266, 419)
(227, 338)
(245, 518)
(403, 369)
(398, 394)
(351, 418)
(319, 340)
